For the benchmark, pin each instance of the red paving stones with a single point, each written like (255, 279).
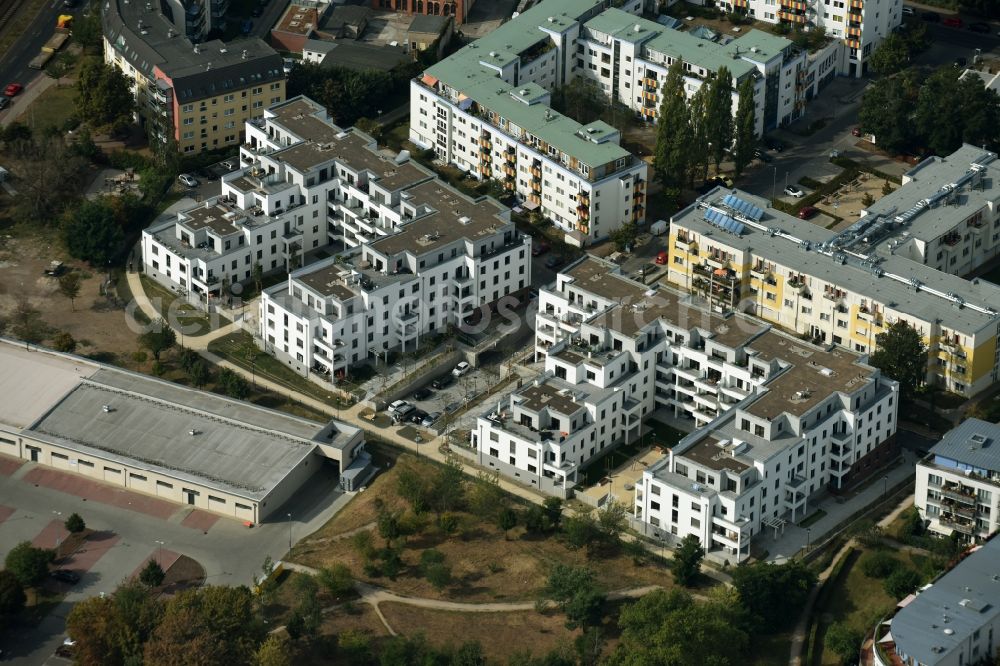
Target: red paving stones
(93, 549)
(6, 512)
(52, 532)
(79, 486)
(9, 465)
(200, 520)
(165, 557)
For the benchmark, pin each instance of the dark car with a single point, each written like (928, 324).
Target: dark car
(421, 393)
(762, 156)
(66, 576)
(807, 212)
(931, 17)
(539, 249)
(256, 11)
(246, 27)
(961, 62)
(554, 261)
(4, 102)
(773, 144)
(979, 26)
(417, 416)
(442, 382)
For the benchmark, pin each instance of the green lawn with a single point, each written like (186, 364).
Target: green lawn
(51, 109)
(176, 311)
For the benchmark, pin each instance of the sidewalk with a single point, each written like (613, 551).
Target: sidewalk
(795, 538)
(19, 105)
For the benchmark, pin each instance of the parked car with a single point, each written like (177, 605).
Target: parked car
(461, 369)
(442, 382)
(952, 22)
(960, 62)
(430, 419)
(13, 89)
(256, 12)
(807, 212)
(555, 261)
(417, 416)
(773, 144)
(396, 406)
(532, 294)
(4, 102)
(402, 415)
(644, 270)
(908, 11)
(979, 26)
(246, 27)
(66, 576)
(856, 131)
(794, 191)
(422, 393)
(538, 249)
(55, 269)
(187, 180)
(762, 156)
(931, 17)
(661, 258)
(229, 164)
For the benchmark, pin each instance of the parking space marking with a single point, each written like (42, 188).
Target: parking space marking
(164, 557)
(79, 486)
(93, 549)
(200, 520)
(50, 534)
(9, 465)
(6, 512)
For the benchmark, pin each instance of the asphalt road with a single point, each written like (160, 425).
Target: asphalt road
(14, 65)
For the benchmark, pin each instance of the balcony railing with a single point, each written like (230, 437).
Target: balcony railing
(959, 495)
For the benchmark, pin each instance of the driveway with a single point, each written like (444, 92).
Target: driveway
(126, 536)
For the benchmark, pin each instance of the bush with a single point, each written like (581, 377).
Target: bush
(844, 641)
(901, 582)
(878, 564)
(29, 565)
(74, 524)
(152, 574)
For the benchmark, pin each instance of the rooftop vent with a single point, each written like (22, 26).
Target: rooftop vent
(193, 432)
(106, 409)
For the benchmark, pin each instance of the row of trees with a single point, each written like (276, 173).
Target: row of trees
(912, 110)
(693, 133)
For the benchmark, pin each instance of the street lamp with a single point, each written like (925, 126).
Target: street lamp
(289, 531)
(159, 552)
(885, 486)
(774, 181)
(808, 538)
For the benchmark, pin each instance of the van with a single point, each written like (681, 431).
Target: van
(402, 415)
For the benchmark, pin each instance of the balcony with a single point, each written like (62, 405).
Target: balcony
(963, 526)
(957, 509)
(957, 494)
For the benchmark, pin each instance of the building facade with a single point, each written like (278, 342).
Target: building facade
(195, 96)
(893, 265)
(857, 26)
(958, 483)
(457, 9)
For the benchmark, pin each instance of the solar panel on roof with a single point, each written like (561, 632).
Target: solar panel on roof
(740, 229)
(743, 207)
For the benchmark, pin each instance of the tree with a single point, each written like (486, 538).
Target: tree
(878, 564)
(336, 580)
(965, 111)
(273, 652)
(75, 524)
(485, 497)
(113, 629)
(200, 373)
(64, 342)
(507, 520)
(448, 486)
(719, 114)
(158, 339)
(233, 385)
(697, 149)
(901, 582)
(885, 111)
(673, 131)
(687, 560)
(890, 56)
(104, 95)
(35, 163)
(576, 593)
(12, 597)
(535, 521)
(612, 520)
(438, 575)
(844, 642)
(69, 286)
(624, 236)
(867, 199)
(745, 127)
(152, 574)
(93, 233)
(581, 530)
(911, 525)
(887, 188)
(26, 322)
(29, 564)
(388, 525)
(672, 629)
(901, 354)
(773, 594)
(354, 646)
(307, 614)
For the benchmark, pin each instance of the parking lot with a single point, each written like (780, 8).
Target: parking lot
(208, 179)
(455, 395)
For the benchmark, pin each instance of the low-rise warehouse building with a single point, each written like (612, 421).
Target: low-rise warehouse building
(154, 437)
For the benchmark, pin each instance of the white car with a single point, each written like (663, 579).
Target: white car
(461, 369)
(396, 406)
(188, 180)
(793, 191)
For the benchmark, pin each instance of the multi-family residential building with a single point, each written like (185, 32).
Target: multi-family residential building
(420, 255)
(858, 26)
(847, 287)
(958, 483)
(616, 351)
(954, 621)
(195, 18)
(197, 96)
(457, 9)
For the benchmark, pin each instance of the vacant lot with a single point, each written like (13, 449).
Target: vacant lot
(485, 565)
(100, 327)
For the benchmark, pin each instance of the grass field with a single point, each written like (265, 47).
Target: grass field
(176, 311)
(51, 109)
(486, 566)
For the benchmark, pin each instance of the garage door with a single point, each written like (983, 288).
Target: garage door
(217, 504)
(164, 489)
(244, 512)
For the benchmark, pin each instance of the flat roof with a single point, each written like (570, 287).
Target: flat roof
(942, 618)
(212, 217)
(328, 280)
(361, 56)
(298, 19)
(894, 294)
(560, 399)
(972, 443)
(429, 24)
(237, 447)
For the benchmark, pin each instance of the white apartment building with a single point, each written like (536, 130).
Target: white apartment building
(858, 26)
(823, 419)
(958, 483)
(894, 264)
